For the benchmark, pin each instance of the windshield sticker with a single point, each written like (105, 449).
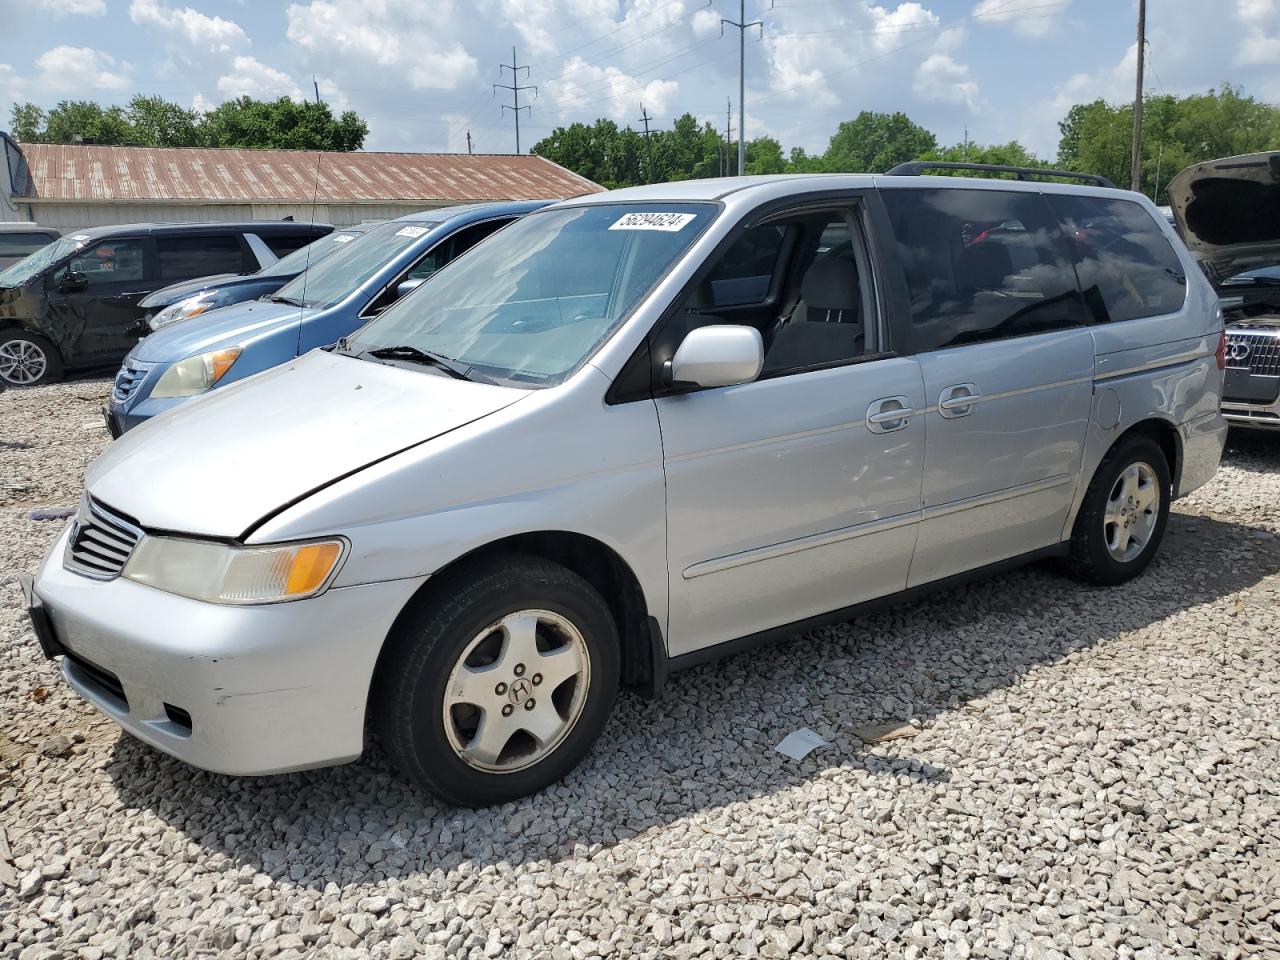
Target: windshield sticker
(411, 231)
(666, 222)
(346, 238)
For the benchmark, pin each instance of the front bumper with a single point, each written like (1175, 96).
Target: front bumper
(238, 690)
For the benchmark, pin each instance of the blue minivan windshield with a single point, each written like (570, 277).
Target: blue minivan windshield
(26, 268)
(337, 276)
(530, 304)
(306, 257)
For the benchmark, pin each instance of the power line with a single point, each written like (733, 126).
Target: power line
(515, 88)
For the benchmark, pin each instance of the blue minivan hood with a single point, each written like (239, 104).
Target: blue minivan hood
(226, 326)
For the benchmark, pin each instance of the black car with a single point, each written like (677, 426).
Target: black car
(190, 298)
(77, 302)
(18, 240)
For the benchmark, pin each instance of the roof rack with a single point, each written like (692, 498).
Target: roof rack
(914, 168)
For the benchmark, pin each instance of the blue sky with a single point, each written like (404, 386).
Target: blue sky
(420, 72)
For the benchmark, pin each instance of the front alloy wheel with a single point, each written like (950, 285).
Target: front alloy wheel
(497, 680)
(23, 361)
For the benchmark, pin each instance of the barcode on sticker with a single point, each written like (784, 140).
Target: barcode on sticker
(667, 222)
(411, 231)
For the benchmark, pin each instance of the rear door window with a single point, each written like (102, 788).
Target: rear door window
(982, 265)
(1126, 265)
(183, 258)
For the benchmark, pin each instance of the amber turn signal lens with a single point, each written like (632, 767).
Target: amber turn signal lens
(311, 565)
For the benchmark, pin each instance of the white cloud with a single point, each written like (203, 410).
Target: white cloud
(1034, 18)
(941, 78)
(408, 40)
(1260, 46)
(610, 92)
(249, 77)
(80, 8)
(206, 33)
(79, 70)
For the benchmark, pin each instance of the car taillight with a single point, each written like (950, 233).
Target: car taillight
(1221, 355)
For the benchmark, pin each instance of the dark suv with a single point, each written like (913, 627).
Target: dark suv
(76, 302)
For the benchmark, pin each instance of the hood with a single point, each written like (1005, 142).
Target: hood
(1228, 212)
(189, 288)
(220, 464)
(224, 326)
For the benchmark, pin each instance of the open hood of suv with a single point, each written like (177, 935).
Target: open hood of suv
(219, 464)
(1228, 212)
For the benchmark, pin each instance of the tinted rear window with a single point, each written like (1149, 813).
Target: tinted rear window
(1127, 267)
(21, 244)
(982, 265)
(182, 258)
(283, 244)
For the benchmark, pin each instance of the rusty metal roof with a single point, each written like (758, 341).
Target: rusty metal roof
(88, 173)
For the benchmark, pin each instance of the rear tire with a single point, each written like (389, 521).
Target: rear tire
(497, 684)
(1123, 517)
(28, 359)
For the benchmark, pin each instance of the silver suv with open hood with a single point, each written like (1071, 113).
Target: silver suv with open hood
(1228, 212)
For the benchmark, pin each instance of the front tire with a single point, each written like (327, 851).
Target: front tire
(1123, 517)
(499, 682)
(28, 359)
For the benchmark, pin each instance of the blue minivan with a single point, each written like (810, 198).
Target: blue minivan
(329, 301)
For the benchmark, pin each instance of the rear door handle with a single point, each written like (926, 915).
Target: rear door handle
(958, 400)
(889, 414)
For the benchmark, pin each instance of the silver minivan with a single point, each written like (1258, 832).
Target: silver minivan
(630, 433)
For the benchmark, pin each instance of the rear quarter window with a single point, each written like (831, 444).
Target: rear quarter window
(1127, 267)
(283, 244)
(982, 265)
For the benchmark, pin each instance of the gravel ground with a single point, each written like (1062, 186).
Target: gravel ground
(1095, 773)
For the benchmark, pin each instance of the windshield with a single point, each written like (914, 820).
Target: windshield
(533, 302)
(26, 268)
(308, 256)
(353, 263)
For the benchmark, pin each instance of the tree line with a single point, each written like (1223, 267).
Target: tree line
(243, 123)
(1095, 138)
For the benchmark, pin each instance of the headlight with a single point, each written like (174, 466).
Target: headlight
(194, 375)
(184, 310)
(226, 573)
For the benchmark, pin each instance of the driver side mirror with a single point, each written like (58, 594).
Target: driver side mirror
(720, 355)
(73, 282)
(408, 286)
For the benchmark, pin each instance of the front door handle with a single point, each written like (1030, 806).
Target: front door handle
(889, 414)
(958, 400)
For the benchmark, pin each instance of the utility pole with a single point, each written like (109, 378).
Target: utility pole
(315, 84)
(515, 89)
(648, 152)
(468, 143)
(727, 166)
(743, 27)
(1135, 174)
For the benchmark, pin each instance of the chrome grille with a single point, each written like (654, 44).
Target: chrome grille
(127, 381)
(101, 542)
(1255, 352)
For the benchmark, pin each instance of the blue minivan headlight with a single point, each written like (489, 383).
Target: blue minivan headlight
(195, 375)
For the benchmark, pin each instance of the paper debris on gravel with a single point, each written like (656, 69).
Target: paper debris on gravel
(800, 743)
(878, 732)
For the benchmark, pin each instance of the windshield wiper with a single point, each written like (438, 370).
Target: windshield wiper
(1252, 282)
(289, 300)
(426, 358)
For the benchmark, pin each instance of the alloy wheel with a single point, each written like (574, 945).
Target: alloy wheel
(1132, 511)
(516, 691)
(22, 362)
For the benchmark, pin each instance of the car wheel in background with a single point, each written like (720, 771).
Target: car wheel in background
(497, 684)
(1124, 514)
(27, 359)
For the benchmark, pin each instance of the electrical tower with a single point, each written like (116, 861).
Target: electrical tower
(648, 152)
(743, 27)
(515, 89)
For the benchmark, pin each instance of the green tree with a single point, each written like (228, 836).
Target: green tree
(88, 121)
(1176, 132)
(764, 155)
(28, 123)
(1011, 154)
(158, 122)
(874, 142)
(281, 124)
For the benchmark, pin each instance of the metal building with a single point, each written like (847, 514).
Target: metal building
(71, 186)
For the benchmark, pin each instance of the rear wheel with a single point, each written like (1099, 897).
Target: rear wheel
(1123, 517)
(499, 687)
(27, 359)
